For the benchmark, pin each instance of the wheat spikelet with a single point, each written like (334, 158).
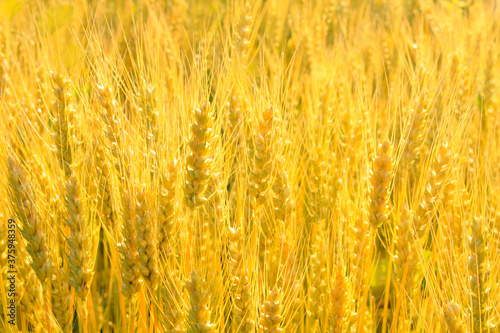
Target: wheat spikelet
(240, 282)
(41, 107)
(264, 154)
(104, 186)
(173, 321)
(199, 163)
(432, 194)
(317, 294)
(405, 257)
(64, 117)
(167, 207)
(452, 314)
(270, 317)
(112, 120)
(128, 248)
(29, 296)
(282, 200)
(242, 291)
(243, 33)
(48, 194)
(148, 110)
(199, 313)
(339, 311)
(415, 132)
(23, 199)
(148, 106)
(479, 272)
(380, 178)
(80, 242)
(62, 303)
(146, 240)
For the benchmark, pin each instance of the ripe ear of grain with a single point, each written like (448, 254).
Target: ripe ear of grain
(338, 172)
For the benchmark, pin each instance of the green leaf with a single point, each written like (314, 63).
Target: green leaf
(58, 16)
(9, 8)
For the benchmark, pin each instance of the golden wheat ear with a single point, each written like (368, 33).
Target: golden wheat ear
(62, 301)
(405, 258)
(33, 230)
(173, 306)
(167, 207)
(80, 241)
(270, 313)
(380, 178)
(112, 120)
(64, 119)
(199, 314)
(452, 317)
(265, 137)
(199, 163)
(241, 287)
(340, 296)
(146, 240)
(128, 248)
(433, 192)
(479, 272)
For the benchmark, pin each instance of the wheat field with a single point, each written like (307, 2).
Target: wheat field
(324, 166)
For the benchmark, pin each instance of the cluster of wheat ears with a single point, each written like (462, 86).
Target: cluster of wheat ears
(251, 166)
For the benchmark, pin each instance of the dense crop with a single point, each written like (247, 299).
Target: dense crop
(243, 166)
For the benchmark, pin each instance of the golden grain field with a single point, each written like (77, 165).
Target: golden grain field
(324, 166)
